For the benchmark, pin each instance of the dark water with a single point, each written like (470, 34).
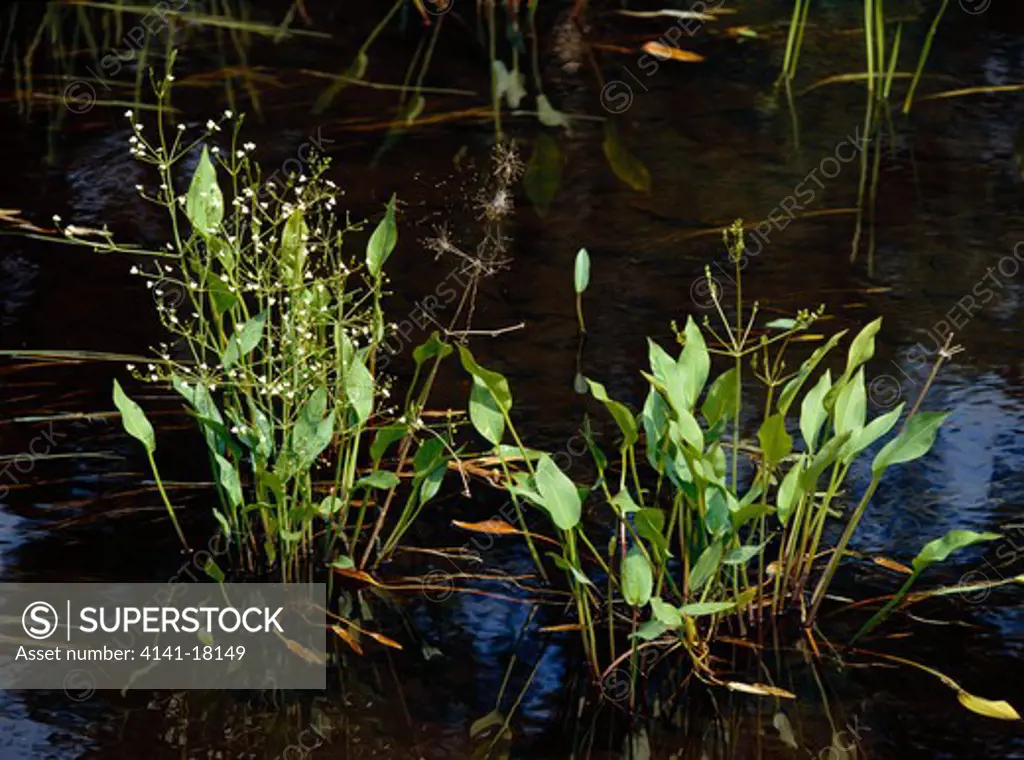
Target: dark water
(717, 147)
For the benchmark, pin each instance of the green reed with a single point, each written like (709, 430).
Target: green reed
(273, 343)
(711, 531)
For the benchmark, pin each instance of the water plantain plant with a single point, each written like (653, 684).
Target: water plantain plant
(274, 334)
(715, 530)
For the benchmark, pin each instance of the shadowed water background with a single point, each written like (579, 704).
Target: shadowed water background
(717, 147)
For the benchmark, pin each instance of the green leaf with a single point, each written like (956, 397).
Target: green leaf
(204, 203)
(686, 431)
(559, 495)
(222, 299)
(223, 252)
(429, 454)
(264, 448)
(870, 433)
(626, 166)
(824, 458)
(273, 482)
(344, 562)
(812, 411)
(862, 348)
(637, 579)
(543, 173)
(485, 414)
(662, 364)
(224, 524)
(720, 403)
(748, 512)
(666, 613)
(433, 346)
(655, 418)
(494, 381)
(330, 505)
(293, 251)
(914, 441)
(741, 555)
(384, 438)
(563, 564)
(791, 388)
(431, 483)
(623, 503)
(718, 519)
(649, 630)
(781, 324)
(382, 241)
(705, 566)
(706, 608)
(581, 273)
(213, 571)
(134, 419)
(650, 525)
(939, 549)
(694, 361)
(851, 406)
(359, 389)
(789, 493)
(776, 443)
(244, 340)
(312, 431)
(228, 478)
(381, 479)
(620, 413)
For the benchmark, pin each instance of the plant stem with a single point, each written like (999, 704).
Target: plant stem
(167, 502)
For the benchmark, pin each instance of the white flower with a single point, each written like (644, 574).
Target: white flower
(138, 188)
(181, 127)
(138, 127)
(128, 114)
(250, 146)
(239, 154)
(134, 270)
(228, 114)
(215, 150)
(211, 124)
(56, 218)
(130, 367)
